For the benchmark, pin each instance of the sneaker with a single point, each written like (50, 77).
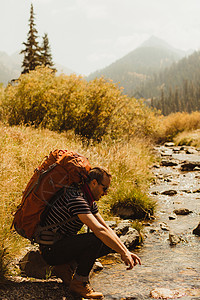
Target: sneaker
(84, 290)
(63, 272)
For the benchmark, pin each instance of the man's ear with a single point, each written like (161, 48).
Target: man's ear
(93, 183)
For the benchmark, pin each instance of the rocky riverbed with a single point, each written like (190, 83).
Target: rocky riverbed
(170, 253)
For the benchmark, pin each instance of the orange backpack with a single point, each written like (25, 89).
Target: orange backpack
(60, 169)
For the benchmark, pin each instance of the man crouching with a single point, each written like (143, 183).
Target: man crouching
(74, 254)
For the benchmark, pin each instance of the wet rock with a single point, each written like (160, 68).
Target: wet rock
(182, 211)
(164, 226)
(168, 163)
(197, 230)
(33, 265)
(131, 238)
(97, 266)
(153, 229)
(169, 144)
(174, 239)
(191, 151)
(128, 212)
(155, 193)
(166, 153)
(169, 192)
(156, 166)
(163, 293)
(168, 180)
(196, 191)
(189, 166)
(176, 149)
(111, 224)
(186, 191)
(122, 228)
(172, 217)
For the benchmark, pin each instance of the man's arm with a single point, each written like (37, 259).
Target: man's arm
(108, 237)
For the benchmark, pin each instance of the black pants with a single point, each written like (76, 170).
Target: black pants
(83, 248)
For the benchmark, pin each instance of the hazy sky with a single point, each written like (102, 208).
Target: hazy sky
(86, 35)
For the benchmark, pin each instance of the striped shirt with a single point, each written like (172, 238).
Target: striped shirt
(69, 204)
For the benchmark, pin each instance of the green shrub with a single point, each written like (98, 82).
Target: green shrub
(61, 103)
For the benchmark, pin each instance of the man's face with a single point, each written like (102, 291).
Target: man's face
(100, 189)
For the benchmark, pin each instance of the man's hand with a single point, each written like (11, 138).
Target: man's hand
(130, 259)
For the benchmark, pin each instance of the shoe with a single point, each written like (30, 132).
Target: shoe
(84, 290)
(63, 272)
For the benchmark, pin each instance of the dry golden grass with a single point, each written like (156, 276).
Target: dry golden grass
(22, 149)
(189, 138)
(175, 123)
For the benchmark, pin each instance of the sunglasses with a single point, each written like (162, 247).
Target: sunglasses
(105, 187)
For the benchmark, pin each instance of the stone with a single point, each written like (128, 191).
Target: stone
(164, 293)
(168, 163)
(155, 193)
(197, 230)
(196, 191)
(174, 239)
(156, 166)
(189, 166)
(97, 266)
(169, 192)
(128, 212)
(186, 191)
(191, 151)
(182, 211)
(169, 144)
(164, 226)
(176, 150)
(33, 265)
(131, 238)
(111, 224)
(122, 228)
(172, 217)
(166, 153)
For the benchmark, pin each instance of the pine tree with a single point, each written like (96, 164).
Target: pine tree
(46, 57)
(31, 53)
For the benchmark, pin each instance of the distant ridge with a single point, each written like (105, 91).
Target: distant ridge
(10, 67)
(135, 68)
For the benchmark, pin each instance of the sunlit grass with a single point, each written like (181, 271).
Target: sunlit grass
(24, 148)
(176, 123)
(188, 138)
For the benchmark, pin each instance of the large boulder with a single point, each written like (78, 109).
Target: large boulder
(33, 265)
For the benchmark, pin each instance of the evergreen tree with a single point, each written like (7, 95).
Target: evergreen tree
(46, 57)
(31, 53)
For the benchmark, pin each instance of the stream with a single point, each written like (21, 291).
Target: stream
(172, 267)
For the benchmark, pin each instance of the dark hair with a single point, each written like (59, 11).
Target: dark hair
(97, 173)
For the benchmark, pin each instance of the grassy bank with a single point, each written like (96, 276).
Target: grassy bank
(178, 125)
(24, 148)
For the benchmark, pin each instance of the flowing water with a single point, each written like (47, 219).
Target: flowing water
(163, 266)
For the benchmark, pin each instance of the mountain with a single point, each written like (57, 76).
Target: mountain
(10, 67)
(135, 68)
(177, 88)
(186, 69)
